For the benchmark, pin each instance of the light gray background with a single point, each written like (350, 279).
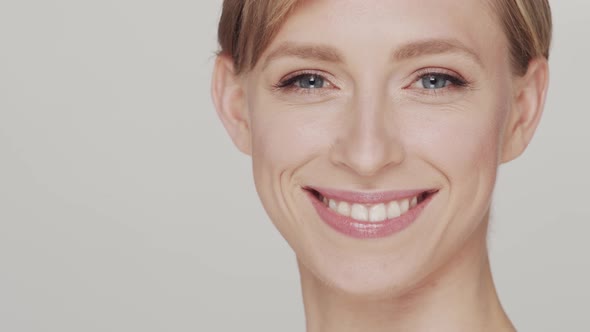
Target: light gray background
(124, 206)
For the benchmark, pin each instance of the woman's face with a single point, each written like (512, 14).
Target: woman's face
(370, 104)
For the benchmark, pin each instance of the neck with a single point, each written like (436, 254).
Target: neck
(460, 296)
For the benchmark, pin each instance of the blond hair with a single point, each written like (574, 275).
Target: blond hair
(528, 28)
(247, 27)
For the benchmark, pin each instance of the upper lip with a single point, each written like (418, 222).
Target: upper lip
(369, 197)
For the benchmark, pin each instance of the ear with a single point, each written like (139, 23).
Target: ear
(527, 108)
(230, 102)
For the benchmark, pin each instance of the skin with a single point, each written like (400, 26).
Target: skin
(375, 126)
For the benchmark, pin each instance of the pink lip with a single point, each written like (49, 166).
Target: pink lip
(368, 230)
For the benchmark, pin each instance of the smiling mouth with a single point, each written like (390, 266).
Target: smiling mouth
(373, 208)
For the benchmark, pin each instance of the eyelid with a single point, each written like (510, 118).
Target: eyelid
(459, 85)
(285, 82)
(456, 79)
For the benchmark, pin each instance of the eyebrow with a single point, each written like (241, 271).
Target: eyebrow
(326, 53)
(319, 52)
(433, 47)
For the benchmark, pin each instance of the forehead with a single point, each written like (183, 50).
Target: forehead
(375, 27)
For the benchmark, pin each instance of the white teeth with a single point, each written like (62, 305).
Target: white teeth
(332, 204)
(344, 209)
(359, 212)
(414, 202)
(393, 210)
(372, 213)
(404, 205)
(377, 213)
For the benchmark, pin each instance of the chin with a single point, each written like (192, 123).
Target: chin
(367, 276)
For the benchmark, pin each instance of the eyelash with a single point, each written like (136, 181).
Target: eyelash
(457, 82)
(288, 83)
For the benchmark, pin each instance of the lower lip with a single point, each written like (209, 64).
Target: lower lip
(367, 230)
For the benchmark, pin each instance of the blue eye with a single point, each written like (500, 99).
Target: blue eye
(435, 81)
(305, 81)
(311, 82)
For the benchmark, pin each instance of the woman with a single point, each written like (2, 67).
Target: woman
(376, 129)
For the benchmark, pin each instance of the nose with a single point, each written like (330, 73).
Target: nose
(369, 140)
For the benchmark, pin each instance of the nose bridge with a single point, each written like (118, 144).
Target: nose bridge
(368, 143)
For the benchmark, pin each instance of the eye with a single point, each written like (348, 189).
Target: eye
(429, 80)
(434, 81)
(305, 81)
(437, 85)
(310, 81)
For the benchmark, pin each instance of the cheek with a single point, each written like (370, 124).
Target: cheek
(287, 137)
(462, 144)
(461, 148)
(458, 141)
(284, 141)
